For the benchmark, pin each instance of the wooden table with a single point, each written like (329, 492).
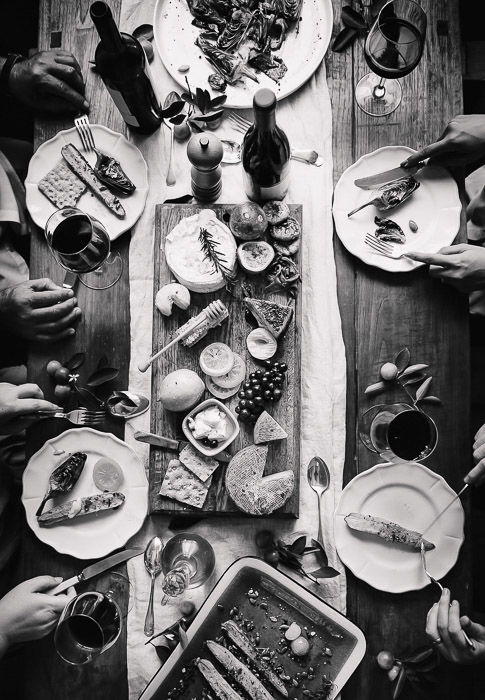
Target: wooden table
(380, 314)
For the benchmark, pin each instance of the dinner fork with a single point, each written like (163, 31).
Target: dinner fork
(79, 416)
(382, 247)
(83, 128)
(470, 643)
(311, 157)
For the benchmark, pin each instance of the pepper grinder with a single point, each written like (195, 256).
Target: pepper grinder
(205, 152)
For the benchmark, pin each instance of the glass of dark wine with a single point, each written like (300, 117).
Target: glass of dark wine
(187, 562)
(398, 432)
(81, 245)
(393, 48)
(89, 625)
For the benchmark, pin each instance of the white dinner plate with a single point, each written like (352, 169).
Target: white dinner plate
(435, 207)
(302, 53)
(90, 536)
(108, 141)
(411, 495)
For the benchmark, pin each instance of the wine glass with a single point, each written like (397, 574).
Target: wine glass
(89, 625)
(393, 49)
(187, 562)
(81, 244)
(398, 432)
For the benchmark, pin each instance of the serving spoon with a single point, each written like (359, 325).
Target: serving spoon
(319, 479)
(153, 564)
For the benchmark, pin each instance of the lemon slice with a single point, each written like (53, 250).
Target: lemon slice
(218, 391)
(107, 475)
(216, 359)
(235, 376)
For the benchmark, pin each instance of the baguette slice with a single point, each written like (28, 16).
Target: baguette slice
(389, 531)
(80, 166)
(217, 683)
(82, 506)
(241, 673)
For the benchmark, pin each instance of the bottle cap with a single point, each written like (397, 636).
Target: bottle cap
(205, 150)
(264, 99)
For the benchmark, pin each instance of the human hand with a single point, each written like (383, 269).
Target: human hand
(18, 405)
(461, 143)
(28, 611)
(477, 474)
(445, 624)
(49, 81)
(462, 266)
(39, 310)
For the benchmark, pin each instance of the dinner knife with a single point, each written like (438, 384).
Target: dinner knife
(175, 445)
(369, 183)
(471, 481)
(97, 568)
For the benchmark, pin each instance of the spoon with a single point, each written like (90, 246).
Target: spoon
(232, 154)
(153, 564)
(126, 404)
(319, 480)
(170, 179)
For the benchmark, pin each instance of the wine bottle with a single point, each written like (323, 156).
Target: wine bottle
(265, 152)
(123, 67)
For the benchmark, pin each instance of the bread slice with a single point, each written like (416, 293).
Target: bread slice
(270, 315)
(82, 506)
(268, 429)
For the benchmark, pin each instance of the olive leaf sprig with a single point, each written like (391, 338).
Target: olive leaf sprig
(102, 375)
(404, 375)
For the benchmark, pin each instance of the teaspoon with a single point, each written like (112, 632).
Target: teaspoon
(153, 564)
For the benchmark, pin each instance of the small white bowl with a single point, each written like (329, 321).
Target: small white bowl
(210, 451)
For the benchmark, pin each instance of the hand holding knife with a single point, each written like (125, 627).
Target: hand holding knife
(384, 178)
(98, 568)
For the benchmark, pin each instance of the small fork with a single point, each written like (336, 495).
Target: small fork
(382, 247)
(79, 416)
(311, 157)
(83, 128)
(470, 643)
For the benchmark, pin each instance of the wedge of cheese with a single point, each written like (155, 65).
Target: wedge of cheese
(185, 256)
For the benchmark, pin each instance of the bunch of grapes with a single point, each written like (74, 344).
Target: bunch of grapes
(263, 385)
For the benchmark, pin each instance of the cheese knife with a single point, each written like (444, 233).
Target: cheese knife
(97, 568)
(369, 183)
(175, 445)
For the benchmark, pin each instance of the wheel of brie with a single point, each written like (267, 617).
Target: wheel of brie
(186, 258)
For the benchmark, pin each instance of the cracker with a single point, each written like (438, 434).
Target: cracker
(203, 467)
(182, 485)
(61, 186)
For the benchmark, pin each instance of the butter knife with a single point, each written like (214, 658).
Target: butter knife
(175, 445)
(97, 568)
(369, 183)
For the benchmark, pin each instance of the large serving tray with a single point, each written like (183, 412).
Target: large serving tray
(285, 599)
(282, 455)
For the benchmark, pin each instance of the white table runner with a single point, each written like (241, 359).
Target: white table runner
(306, 117)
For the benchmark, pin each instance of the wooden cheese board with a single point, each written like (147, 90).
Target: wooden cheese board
(282, 455)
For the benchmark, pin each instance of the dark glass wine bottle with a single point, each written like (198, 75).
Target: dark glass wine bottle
(121, 63)
(265, 152)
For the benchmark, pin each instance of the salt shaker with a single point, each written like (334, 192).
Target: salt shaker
(205, 152)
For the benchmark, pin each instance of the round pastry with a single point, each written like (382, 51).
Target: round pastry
(276, 212)
(287, 250)
(287, 231)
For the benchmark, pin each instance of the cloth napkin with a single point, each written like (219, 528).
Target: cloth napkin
(306, 117)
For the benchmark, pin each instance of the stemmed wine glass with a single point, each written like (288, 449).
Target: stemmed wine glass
(81, 245)
(393, 49)
(187, 562)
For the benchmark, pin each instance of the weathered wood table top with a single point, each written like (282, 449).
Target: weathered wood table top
(380, 313)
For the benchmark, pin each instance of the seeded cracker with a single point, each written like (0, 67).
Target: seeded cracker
(180, 484)
(202, 467)
(61, 186)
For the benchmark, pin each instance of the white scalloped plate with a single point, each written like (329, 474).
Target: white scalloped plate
(435, 206)
(108, 141)
(90, 536)
(303, 52)
(411, 495)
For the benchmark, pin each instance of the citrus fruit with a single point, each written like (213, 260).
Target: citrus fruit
(107, 475)
(181, 390)
(216, 359)
(218, 391)
(235, 376)
(248, 221)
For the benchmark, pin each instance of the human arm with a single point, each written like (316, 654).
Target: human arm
(462, 266)
(49, 81)
(445, 627)
(18, 405)
(39, 310)
(28, 612)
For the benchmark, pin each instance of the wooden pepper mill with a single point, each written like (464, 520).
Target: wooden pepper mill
(205, 152)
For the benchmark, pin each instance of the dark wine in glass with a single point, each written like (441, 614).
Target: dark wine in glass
(393, 49)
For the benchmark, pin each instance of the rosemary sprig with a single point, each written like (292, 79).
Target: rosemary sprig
(210, 248)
